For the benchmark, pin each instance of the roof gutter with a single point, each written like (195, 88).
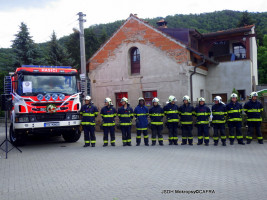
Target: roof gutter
(191, 76)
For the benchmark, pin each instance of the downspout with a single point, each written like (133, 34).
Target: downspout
(191, 77)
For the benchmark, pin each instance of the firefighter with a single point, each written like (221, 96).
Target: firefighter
(141, 114)
(108, 113)
(156, 114)
(186, 112)
(218, 120)
(171, 112)
(202, 113)
(89, 112)
(253, 108)
(125, 113)
(234, 111)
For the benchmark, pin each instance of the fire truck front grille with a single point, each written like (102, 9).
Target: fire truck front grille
(51, 117)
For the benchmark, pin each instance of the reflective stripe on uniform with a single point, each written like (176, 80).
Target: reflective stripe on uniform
(141, 114)
(145, 136)
(156, 123)
(105, 141)
(171, 111)
(125, 124)
(235, 119)
(156, 114)
(88, 114)
(186, 122)
(186, 113)
(254, 110)
(199, 114)
(173, 120)
(141, 129)
(223, 137)
(239, 137)
(200, 137)
(231, 137)
(175, 138)
(254, 120)
(138, 137)
(234, 111)
(108, 124)
(160, 139)
(216, 138)
(206, 138)
(93, 141)
(113, 115)
(219, 113)
(124, 115)
(87, 141)
(88, 123)
(249, 137)
(112, 141)
(203, 122)
(260, 138)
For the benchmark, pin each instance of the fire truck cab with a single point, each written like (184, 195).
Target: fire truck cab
(45, 100)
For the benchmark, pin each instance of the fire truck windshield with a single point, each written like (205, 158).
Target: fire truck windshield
(36, 84)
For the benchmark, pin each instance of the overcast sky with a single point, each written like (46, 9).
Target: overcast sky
(44, 16)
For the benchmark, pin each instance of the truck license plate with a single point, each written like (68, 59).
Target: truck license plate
(49, 124)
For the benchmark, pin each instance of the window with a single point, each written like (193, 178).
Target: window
(119, 97)
(202, 93)
(239, 51)
(135, 61)
(242, 94)
(148, 96)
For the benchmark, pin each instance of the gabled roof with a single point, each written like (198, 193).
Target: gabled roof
(164, 33)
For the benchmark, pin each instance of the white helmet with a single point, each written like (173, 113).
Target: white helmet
(108, 100)
(186, 98)
(253, 94)
(141, 98)
(218, 98)
(234, 95)
(124, 99)
(155, 100)
(87, 98)
(172, 98)
(201, 99)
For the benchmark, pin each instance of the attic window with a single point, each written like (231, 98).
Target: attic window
(135, 61)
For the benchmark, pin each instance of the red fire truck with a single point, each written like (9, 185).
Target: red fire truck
(45, 101)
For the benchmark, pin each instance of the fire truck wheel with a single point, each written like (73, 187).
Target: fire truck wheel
(16, 139)
(72, 136)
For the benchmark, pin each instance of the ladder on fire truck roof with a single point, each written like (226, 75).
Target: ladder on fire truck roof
(40, 66)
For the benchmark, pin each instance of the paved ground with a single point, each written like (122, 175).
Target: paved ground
(52, 169)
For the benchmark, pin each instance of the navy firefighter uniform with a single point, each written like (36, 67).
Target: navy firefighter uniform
(89, 112)
(186, 112)
(141, 115)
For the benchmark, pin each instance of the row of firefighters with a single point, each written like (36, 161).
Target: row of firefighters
(220, 115)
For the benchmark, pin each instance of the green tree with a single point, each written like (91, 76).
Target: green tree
(262, 62)
(25, 50)
(73, 46)
(57, 54)
(245, 20)
(236, 92)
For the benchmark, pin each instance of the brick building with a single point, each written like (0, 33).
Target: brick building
(141, 60)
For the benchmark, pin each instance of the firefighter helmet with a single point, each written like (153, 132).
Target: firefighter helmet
(201, 99)
(155, 100)
(108, 100)
(141, 98)
(253, 94)
(172, 98)
(234, 95)
(218, 98)
(124, 99)
(186, 98)
(87, 98)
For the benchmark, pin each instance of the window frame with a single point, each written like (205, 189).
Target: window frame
(135, 60)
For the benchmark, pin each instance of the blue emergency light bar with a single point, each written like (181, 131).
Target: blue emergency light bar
(40, 66)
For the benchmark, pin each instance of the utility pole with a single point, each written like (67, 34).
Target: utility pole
(83, 75)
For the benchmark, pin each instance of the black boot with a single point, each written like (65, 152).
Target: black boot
(248, 141)
(215, 143)
(129, 144)
(86, 145)
(260, 141)
(199, 143)
(113, 144)
(124, 144)
(231, 142)
(137, 144)
(175, 142)
(224, 143)
(206, 144)
(93, 144)
(146, 144)
(170, 142)
(105, 144)
(153, 143)
(161, 143)
(241, 142)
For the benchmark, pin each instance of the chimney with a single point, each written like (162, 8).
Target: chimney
(162, 24)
